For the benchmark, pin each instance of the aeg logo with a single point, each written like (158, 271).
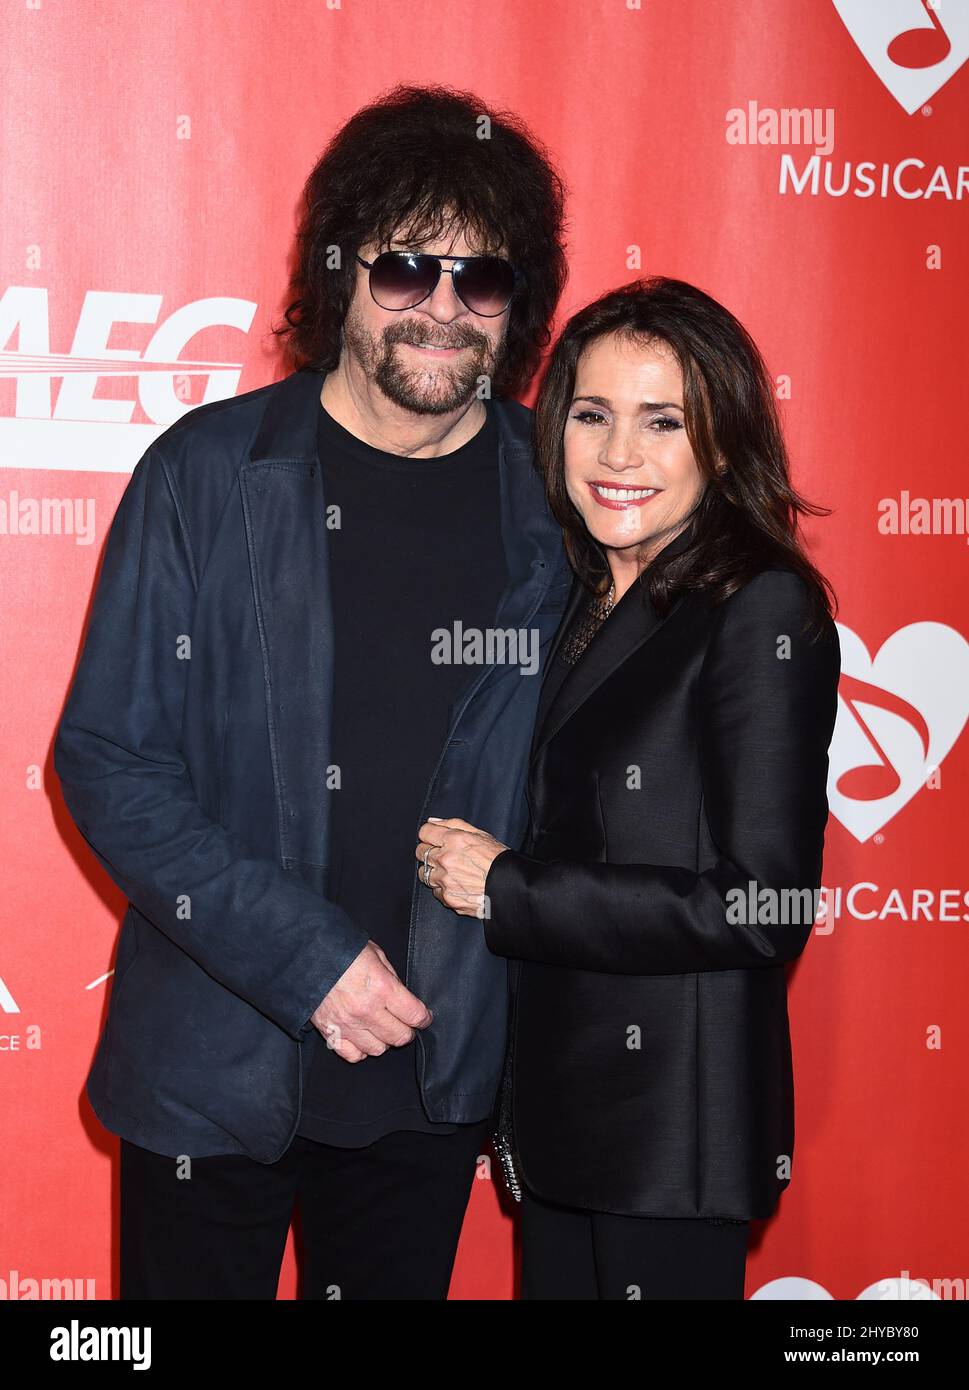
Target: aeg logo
(78, 430)
(914, 46)
(899, 715)
(29, 1039)
(8, 1003)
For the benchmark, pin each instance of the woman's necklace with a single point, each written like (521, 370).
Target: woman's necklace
(596, 613)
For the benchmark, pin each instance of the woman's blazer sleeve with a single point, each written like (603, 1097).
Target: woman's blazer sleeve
(767, 700)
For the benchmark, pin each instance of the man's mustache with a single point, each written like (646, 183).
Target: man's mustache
(416, 339)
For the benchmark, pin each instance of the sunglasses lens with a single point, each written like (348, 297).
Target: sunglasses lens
(485, 283)
(400, 282)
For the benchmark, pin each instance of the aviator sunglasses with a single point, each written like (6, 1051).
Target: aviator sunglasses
(404, 279)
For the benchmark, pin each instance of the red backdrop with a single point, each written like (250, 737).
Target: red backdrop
(799, 162)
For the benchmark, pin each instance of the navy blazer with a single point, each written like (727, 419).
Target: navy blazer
(683, 759)
(193, 755)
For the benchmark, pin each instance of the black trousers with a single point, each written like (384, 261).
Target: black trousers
(572, 1254)
(380, 1222)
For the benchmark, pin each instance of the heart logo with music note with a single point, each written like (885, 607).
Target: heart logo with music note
(899, 714)
(914, 46)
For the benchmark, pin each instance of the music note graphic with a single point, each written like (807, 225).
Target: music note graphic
(921, 48)
(873, 781)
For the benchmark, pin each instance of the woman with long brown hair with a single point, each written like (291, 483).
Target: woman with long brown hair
(677, 792)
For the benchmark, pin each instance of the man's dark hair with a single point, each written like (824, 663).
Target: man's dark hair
(746, 517)
(417, 164)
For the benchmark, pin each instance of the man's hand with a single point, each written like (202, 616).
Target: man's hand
(368, 1009)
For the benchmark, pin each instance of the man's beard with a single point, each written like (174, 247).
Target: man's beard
(430, 390)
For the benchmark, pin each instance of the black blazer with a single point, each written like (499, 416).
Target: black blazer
(680, 759)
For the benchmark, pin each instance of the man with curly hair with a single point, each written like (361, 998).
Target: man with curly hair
(278, 687)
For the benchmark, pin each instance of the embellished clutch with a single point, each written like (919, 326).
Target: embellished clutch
(503, 1137)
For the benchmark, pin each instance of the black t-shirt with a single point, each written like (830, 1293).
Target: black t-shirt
(418, 548)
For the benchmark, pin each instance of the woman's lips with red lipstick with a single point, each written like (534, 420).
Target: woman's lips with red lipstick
(622, 498)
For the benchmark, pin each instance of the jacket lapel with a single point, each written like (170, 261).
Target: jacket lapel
(631, 623)
(285, 517)
(577, 599)
(531, 539)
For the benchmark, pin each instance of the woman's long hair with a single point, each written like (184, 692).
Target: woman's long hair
(746, 517)
(426, 160)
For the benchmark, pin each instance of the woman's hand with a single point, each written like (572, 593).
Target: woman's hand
(454, 861)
